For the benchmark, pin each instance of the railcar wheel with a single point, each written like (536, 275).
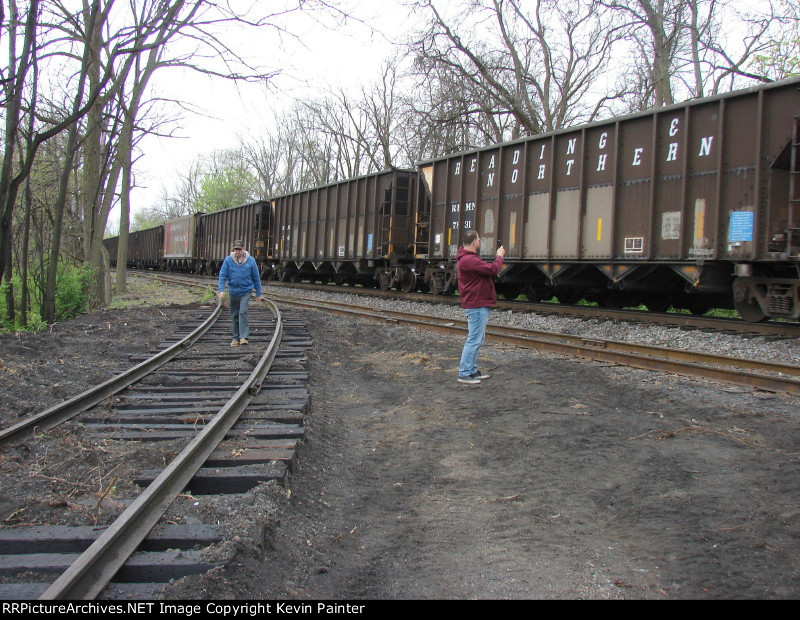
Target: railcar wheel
(568, 297)
(747, 308)
(533, 293)
(409, 281)
(698, 308)
(657, 303)
(510, 291)
(382, 279)
(752, 313)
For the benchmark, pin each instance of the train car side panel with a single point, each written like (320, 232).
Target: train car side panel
(248, 223)
(694, 204)
(179, 242)
(600, 191)
(348, 230)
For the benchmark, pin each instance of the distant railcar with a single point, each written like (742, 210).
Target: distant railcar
(695, 205)
(180, 253)
(355, 231)
(111, 245)
(250, 223)
(145, 248)
(199, 243)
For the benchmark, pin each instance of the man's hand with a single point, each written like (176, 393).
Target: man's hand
(221, 295)
(501, 251)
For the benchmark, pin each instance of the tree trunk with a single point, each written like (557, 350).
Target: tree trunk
(49, 301)
(14, 91)
(26, 234)
(121, 284)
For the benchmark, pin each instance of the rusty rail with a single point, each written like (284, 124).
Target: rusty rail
(687, 363)
(68, 409)
(95, 567)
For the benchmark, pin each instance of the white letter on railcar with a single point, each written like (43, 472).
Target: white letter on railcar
(601, 162)
(705, 146)
(637, 156)
(571, 146)
(672, 154)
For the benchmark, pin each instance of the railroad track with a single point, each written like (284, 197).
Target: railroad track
(232, 416)
(769, 329)
(774, 377)
(778, 329)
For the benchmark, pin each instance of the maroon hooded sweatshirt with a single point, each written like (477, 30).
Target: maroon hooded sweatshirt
(476, 279)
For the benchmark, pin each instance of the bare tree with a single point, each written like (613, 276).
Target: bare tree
(98, 61)
(780, 57)
(21, 35)
(691, 48)
(102, 163)
(538, 63)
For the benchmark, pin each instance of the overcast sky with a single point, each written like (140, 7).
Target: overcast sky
(316, 57)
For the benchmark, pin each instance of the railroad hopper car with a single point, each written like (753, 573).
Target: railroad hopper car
(111, 244)
(145, 248)
(179, 243)
(355, 231)
(695, 205)
(199, 243)
(250, 223)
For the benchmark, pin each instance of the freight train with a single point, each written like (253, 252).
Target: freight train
(694, 205)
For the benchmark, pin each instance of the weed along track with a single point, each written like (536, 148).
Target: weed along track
(135, 490)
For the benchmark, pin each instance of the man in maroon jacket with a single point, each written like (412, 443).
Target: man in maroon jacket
(477, 295)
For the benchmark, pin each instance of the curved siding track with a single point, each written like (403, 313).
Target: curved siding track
(768, 376)
(777, 329)
(233, 415)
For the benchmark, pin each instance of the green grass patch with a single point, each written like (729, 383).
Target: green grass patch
(144, 292)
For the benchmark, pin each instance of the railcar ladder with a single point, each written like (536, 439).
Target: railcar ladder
(793, 236)
(394, 216)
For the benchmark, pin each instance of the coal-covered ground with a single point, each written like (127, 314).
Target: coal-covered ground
(555, 478)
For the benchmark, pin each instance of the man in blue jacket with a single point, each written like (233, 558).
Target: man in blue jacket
(241, 272)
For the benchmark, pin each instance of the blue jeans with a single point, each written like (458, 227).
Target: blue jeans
(239, 327)
(476, 321)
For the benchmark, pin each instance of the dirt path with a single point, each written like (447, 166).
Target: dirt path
(555, 478)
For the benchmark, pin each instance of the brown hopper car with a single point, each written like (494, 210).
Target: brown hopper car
(696, 205)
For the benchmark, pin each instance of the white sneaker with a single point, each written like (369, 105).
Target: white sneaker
(468, 379)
